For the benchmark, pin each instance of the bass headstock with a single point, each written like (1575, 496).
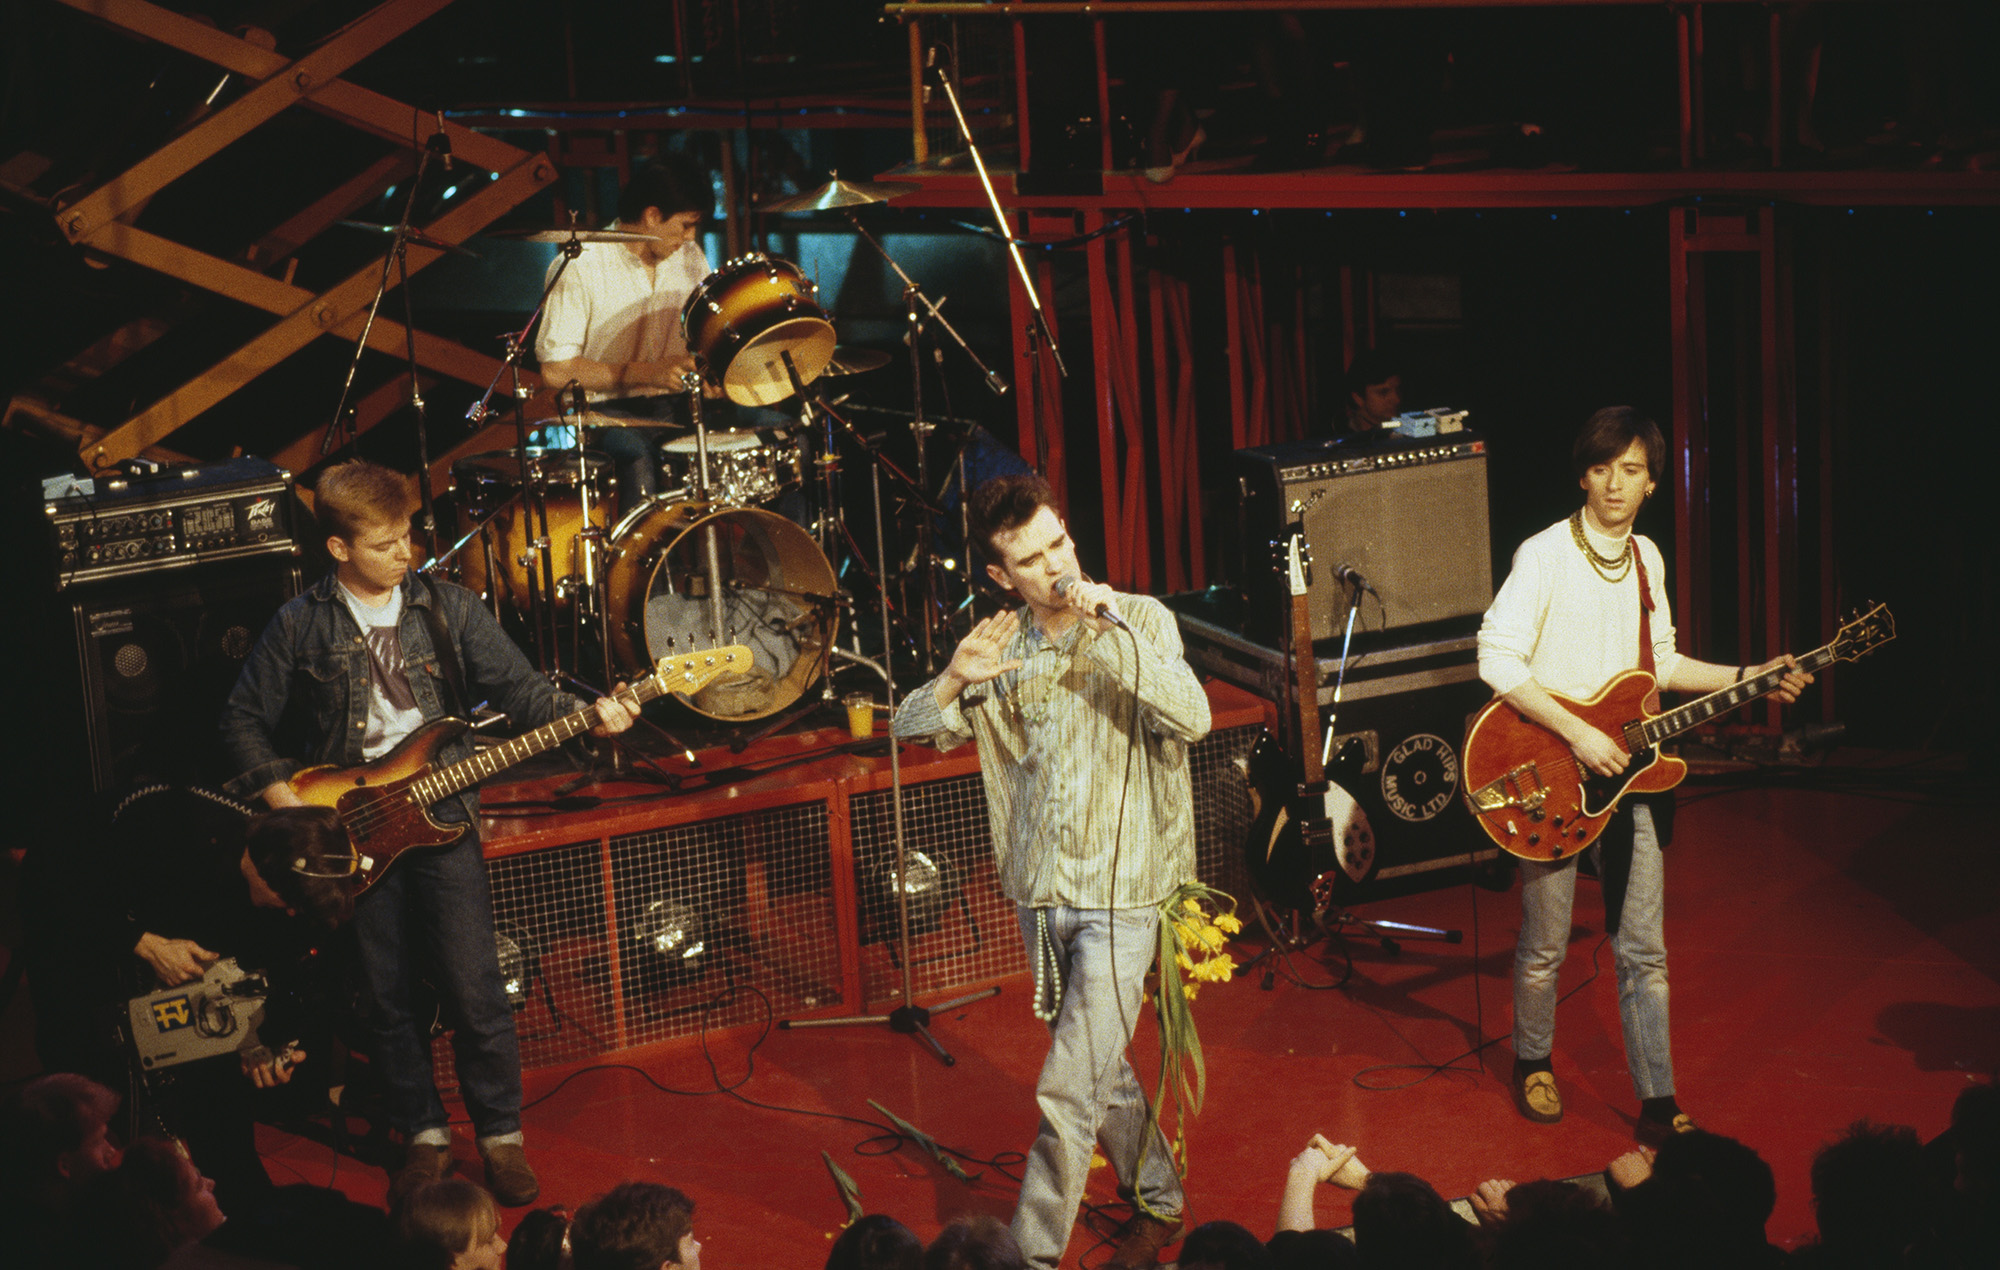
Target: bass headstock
(691, 672)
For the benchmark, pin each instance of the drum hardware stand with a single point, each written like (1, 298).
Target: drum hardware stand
(909, 1018)
(710, 549)
(540, 570)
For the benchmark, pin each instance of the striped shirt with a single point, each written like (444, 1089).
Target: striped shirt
(1054, 751)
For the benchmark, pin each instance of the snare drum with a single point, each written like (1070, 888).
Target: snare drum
(745, 465)
(745, 316)
(487, 485)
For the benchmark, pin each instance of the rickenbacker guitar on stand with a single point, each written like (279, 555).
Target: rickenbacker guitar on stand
(1527, 790)
(1306, 829)
(385, 805)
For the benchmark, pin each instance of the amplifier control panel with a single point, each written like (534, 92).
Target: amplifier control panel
(185, 515)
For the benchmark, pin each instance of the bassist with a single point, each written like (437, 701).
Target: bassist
(1586, 599)
(364, 658)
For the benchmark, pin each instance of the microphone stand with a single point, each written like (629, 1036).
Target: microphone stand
(1040, 326)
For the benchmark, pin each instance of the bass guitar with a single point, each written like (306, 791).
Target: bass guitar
(1536, 801)
(1306, 829)
(385, 805)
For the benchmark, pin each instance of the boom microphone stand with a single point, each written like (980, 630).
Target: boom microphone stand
(908, 1018)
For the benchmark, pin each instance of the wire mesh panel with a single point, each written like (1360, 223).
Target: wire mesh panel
(1222, 808)
(962, 930)
(701, 909)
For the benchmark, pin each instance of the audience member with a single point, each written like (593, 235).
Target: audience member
(1545, 1225)
(450, 1224)
(1965, 1226)
(1222, 1245)
(152, 1206)
(1312, 1250)
(1701, 1200)
(1868, 1193)
(876, 1242)
(1321, 1161)
(1402, 1223)
(973, 1243)
(55, 1135)
(540, 1241)
(635, 1226)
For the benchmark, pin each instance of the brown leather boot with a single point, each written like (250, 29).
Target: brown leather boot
(509, 1177)
(1139, 1247)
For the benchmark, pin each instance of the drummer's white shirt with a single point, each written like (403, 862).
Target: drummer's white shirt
(610, 307)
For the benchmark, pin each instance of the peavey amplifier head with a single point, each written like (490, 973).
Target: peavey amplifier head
(217, 1014)
(1408, 517)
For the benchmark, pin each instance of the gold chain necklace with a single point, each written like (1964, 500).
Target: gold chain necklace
(1610, 568)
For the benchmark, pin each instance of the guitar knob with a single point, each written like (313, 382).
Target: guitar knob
(1534, 839)
(1559, 822)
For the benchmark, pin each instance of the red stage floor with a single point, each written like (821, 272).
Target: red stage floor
(1835, 956)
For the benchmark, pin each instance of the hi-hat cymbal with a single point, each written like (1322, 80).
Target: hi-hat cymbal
(850, 360)
(581, 235)
(838, 193)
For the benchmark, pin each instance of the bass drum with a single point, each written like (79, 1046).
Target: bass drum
(743, 319)
(778, 598)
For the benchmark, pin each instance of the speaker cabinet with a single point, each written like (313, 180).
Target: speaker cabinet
(157, 659)
(1410, 517)
(1398, 747)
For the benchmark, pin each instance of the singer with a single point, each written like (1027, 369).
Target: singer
(1083, 731)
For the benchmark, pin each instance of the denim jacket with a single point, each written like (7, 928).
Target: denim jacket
(312, 662)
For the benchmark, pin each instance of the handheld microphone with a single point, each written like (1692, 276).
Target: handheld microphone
(1068, 582)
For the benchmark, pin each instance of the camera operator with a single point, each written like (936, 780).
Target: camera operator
(170, 882)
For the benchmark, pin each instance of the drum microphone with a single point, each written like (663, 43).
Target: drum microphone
(1066, 583)
(1352, 576)
(440, 143)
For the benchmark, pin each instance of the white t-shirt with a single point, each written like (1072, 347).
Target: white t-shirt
(392, 705)
(1558, 622)
(610, 306)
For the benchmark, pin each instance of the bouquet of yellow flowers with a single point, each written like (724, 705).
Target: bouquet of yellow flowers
(1196, 922)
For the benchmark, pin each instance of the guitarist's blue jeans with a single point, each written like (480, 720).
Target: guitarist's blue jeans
(432, 916)
(1088, 1093)
(1639, 948)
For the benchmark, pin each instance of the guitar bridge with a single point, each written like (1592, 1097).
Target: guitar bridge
(1520, 788)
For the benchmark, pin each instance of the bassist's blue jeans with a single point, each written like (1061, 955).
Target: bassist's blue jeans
(432, 917)
(1548, 892)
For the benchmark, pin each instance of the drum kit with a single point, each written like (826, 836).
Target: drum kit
(707, 559)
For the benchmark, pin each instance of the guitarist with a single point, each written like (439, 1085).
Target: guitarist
(1586, 600)
(361, 660)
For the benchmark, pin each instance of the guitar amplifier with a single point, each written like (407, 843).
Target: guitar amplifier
(181, 515)
(1408, 516)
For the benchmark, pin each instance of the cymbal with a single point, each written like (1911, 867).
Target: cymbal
(850, 360)
(601, 419)
(581, 235)
(839, 193)
(412, 235)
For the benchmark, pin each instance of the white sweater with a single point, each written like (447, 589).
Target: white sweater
(1557, 622)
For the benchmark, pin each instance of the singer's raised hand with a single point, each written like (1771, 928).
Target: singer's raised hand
(981, 655)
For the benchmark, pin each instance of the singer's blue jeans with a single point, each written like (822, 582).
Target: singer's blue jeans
(1088, 1092)
(1548, 892)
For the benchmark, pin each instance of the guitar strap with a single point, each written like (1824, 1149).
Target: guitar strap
(1615, 846)
(447, 652)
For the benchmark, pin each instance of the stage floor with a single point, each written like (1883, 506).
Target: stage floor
(1835, 955)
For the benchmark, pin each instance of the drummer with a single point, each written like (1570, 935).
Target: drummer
(612, 326)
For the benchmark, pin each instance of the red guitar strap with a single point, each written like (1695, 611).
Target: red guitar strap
(1646, 662)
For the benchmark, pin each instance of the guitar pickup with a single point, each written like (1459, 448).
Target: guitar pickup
(1316, 833)
(1522, 787)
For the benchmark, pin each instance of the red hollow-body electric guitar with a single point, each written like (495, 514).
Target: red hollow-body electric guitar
(1532, 797)
(385, 805)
